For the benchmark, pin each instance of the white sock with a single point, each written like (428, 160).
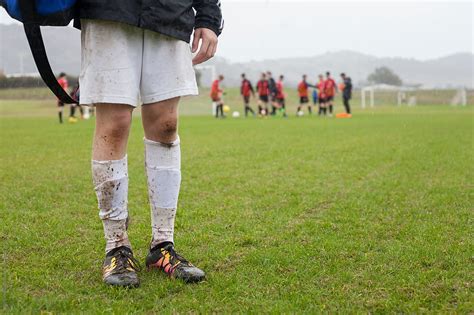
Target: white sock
(163, 169)
(111, 187)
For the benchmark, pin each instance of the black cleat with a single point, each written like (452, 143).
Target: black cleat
(170, 262)
(120, 268)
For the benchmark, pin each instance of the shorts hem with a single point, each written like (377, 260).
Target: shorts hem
(109, 100)
(168, 95)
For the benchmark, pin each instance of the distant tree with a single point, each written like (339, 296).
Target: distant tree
(384, 75)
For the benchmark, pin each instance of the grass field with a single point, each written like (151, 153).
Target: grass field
(372, 214)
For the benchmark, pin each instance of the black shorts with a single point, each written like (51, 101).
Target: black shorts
(322, 100)
(246, 99)
(304, 100)
(60, 104)
(329, 98)
(264, 98)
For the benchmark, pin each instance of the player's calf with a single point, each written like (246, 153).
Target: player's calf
(111, 187)
(163, 167)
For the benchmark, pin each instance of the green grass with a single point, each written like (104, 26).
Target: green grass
(372, 214)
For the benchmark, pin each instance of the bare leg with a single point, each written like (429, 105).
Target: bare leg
(163, 167)
(112, 128)
(110, 171)
(60, 114)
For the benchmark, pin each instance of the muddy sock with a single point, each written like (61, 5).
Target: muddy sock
(163, 169)
(111, 187)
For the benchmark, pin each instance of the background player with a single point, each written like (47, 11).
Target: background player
(75, 94)
(280, 97)
(330, 87)
(347, 92)
(246, 89)
(272, 88)
(304, 95)
(62, 80)
(322, 96)
(216, 96)
(263, 92)
(315, 97)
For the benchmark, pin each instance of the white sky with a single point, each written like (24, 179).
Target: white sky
(269, 29)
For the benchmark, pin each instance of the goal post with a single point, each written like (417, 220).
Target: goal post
(211, 75)
(460, 98)
(371, 93)
(405, 97)
(208, 74)
(388, 95)
(401, 97)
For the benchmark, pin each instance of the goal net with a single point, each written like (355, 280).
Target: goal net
(376, 96)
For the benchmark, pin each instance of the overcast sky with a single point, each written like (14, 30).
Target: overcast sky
(268, 29)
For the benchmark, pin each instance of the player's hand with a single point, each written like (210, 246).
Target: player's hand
(208, 48)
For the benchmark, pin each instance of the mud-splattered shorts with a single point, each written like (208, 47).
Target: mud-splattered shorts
(124, 64)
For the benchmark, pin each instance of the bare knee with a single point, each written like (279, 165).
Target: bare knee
(160, 120)
(118, 127)
(113, 126)
(166, 129)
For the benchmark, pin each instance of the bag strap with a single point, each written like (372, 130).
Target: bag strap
(35, 40)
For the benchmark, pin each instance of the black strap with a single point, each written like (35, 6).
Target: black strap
(35, 40)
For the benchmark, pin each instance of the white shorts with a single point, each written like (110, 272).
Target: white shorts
(124, 64)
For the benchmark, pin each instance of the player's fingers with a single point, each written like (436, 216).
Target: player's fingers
(214, 50)
(211, 50)
(209, 53)
(201, 56)
(197, 37)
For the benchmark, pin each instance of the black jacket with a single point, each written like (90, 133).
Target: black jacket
(347, 92)
(175, 18)
(272, 86)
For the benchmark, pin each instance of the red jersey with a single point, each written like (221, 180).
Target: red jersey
(330, 87)
(63, 83)
(246, 89)
(215, 90)
(303, 89)
(280, 93)
(262, 88)
(321, 86)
